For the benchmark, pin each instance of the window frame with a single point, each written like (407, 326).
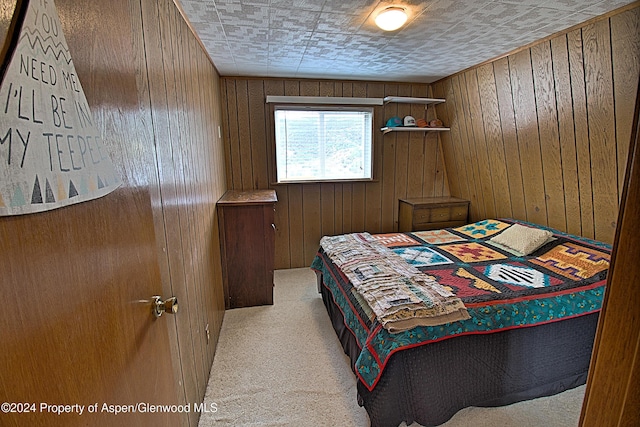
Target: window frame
(322, 107)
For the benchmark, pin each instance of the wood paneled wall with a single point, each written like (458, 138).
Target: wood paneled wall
(181, 93)
(155, 99)
(542, 134)
(404, 165)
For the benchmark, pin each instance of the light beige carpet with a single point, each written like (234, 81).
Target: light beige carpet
(283, 365)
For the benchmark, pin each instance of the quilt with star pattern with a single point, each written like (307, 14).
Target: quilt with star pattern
(501, 288)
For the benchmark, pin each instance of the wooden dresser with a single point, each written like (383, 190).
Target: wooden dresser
(430, 213)
(247, 240)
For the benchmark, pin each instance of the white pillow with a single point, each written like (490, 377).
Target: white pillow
(524, 240)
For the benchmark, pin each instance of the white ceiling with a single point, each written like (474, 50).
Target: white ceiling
(337, 39)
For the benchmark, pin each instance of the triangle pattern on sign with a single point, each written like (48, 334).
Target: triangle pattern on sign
(18, 197)
(72, 190)
(49, 197)
(92, 184)
(36, 195)
(62, 193)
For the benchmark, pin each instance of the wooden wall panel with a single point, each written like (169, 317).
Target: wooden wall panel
(509, 136)
(451, 149)
(495, 148)
(600, 104)
(528, 136)
(566, 134)
(467, 142)
(404, 165)
(479, 148)
(373, 194)
(625, 54)
(258, 128)
(561, 111)
(184, 105)
(581, 126)
(546, 107)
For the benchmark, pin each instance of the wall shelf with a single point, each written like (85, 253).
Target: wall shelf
(410, 100)
(386, 130)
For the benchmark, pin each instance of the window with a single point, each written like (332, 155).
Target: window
(323, 143)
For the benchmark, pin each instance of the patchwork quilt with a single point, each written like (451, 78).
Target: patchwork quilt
(400, 295)
(501, 288)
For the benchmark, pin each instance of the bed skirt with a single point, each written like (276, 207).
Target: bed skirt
(430, 383)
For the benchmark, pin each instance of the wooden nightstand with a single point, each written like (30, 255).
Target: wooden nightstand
(430, 213)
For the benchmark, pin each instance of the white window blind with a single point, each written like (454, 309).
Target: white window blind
(323, 143)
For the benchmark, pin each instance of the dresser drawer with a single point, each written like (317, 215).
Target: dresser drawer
(440, 214)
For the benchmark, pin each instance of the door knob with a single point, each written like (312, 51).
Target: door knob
(169, 305)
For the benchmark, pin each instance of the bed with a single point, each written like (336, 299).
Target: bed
(530, 329)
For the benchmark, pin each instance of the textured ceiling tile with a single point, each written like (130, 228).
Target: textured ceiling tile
(227, 69)
(496, 13)
(570, 5)
(234, 13)
(606, 5)
(281, 57)
(246, 34)
(191, 8)
(202, 12)
(338, 65)
(534, 19)
(582, 16)
(578, 5)
(257, 72)
(360, 44)
(212, 31)
(317, 48)
(285, 18)
(330, 22)
(351, 7)
(453, 10)
(247, 52)
(424, 29)
(404, 45)
(289, 37)
(501, 41)
(218, 48)
(526, 2)
(463, 33)
(286, 60)
(332, 41)
(298, 5)
(563, 23)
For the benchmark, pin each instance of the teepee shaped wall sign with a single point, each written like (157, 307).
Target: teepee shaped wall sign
(51, 154)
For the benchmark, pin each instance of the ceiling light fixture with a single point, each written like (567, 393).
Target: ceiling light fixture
(391, 18)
